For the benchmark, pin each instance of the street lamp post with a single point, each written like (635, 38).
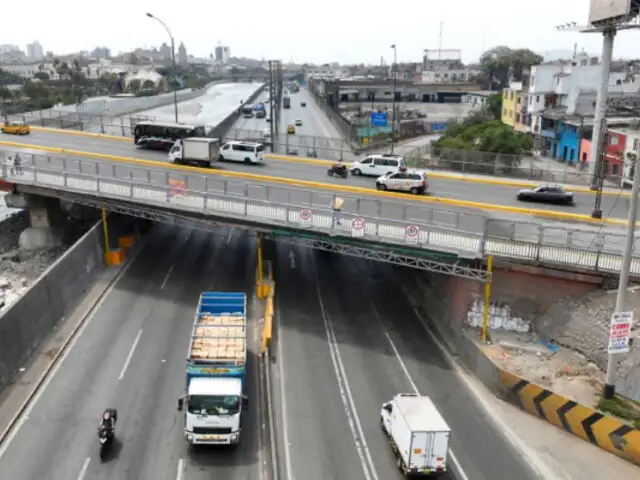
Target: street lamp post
(173, 61)
(393, 102)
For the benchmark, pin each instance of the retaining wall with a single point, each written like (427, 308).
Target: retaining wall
(225, 125)
(443, 303)
(52, 297)
(347, 130)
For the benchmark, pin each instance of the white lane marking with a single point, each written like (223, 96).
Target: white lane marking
(538, 468)
(462, 474)
(130, 356)
(180, 472)
(230, 236)
(27, 411)
(283, 403)
(85, 467)
(166, 277)
(345, 393)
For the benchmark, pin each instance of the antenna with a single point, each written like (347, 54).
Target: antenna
(440, 41)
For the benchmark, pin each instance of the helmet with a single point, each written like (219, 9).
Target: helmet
(403, 168)
(106, 416)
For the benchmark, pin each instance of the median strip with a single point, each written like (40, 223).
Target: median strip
(322, 186)
(321, 162)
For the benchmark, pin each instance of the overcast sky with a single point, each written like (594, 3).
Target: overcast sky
(312, 31)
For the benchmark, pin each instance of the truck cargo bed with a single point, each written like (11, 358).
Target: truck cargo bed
(219, 338)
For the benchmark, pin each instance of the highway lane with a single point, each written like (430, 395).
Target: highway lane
(347, 340)
(612, 206)
(131, 356)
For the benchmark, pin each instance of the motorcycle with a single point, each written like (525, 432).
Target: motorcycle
(338, 170)
(105, 441)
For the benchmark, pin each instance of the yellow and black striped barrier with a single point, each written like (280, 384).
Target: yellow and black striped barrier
(586, 423)
(267, 327)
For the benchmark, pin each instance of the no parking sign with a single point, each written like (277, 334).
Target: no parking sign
(306, 216)
(412, 234)
(357, 227)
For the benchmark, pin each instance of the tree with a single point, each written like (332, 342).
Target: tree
(500, 63)
(148, 85)
(134, 86)
(493, 106)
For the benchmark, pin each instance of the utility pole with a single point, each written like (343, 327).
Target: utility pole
(621, 299)
(173, 61)
(271, 100)
(393, 102)
(607, 22)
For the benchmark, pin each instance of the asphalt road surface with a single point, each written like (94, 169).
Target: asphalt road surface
(131, 356)
(612, 206)
(348, 340)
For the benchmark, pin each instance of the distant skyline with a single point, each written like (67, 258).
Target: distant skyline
(352, 34)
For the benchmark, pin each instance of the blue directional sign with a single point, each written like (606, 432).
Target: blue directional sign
(379, 119)
(438, 127)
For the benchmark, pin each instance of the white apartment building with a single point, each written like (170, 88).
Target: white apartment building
(447, 75)
(573, 86)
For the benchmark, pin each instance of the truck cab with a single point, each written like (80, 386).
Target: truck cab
(214, 407)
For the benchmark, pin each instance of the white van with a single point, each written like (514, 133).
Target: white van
(247, 152)
(377, 165)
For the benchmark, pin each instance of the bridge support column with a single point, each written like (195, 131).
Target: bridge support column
(47, 221)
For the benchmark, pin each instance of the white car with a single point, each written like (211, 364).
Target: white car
(246, 152)
(404, 180)
(266, 133)
(377, 165)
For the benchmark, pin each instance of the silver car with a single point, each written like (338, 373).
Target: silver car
(404, 181)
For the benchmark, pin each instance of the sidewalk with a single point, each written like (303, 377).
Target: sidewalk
(554, 453)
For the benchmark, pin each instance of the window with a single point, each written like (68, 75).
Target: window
(517, 117)
(537, 98)
(533, 80)
(519, 100)
(613, 140)
(636, 144)
(504, 112)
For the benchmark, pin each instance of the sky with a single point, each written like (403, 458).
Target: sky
(307, 31)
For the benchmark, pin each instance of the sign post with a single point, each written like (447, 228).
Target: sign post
(306, 217)
(357, 227)
(412, 234)
(619, 332)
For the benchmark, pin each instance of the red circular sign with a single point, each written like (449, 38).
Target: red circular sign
(305, 215)
(357, 224)
(412, 231)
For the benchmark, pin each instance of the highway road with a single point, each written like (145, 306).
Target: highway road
(131, 356)
(316, 130)
(348, 340)
(612, 206)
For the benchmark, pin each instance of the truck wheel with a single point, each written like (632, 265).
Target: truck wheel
(382, 425)
(221, 158)
(247, 161)
(400, 467)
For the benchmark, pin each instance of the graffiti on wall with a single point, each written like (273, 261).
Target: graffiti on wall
(500, 317)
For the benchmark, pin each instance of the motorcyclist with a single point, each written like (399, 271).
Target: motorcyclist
(108, 422)
(339, 166)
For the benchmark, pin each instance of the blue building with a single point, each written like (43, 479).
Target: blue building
(561, 139)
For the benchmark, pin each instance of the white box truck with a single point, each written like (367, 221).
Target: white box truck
(202, 151)
(418, 434)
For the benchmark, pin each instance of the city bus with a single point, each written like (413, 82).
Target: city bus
(162, 136)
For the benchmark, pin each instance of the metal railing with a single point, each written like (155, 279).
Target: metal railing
(393, 223)
(525, 167)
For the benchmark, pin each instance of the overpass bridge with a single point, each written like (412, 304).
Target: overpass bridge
(396, 232)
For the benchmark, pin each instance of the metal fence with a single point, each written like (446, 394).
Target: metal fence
(526, 167)
(386, 222)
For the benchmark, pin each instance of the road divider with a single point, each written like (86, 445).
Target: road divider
(484, 180)
(80, 133)
(186, 170)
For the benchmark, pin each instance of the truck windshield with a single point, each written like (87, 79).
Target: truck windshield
(214, 404)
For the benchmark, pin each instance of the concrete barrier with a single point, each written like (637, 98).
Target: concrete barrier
(52, 297)
(225, 125)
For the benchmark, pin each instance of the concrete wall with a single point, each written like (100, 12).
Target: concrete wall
(223, 127)
(53, 296)
(347, 130)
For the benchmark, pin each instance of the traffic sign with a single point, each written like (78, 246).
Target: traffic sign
(306, 216)
(412, 234)
(379, 119)
(357, 227)
(619, 332)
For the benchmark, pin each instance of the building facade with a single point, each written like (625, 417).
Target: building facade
(509, 103)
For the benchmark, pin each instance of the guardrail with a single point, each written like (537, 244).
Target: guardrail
(427, 228)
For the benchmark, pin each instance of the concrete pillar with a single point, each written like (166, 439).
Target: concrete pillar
(47, 222)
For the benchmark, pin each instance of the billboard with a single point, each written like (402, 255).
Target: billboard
(607, 11)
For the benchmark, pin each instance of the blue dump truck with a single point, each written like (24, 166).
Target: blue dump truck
(214, 400)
